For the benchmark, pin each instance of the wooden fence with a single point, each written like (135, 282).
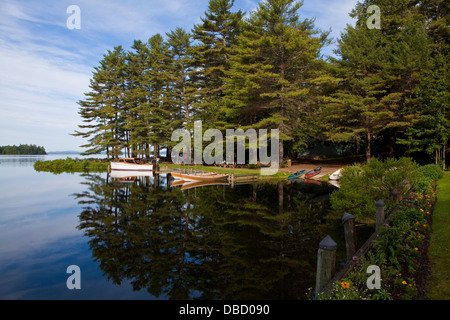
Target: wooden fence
(326, 255)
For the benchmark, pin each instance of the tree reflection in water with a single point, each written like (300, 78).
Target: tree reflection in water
(255, 241)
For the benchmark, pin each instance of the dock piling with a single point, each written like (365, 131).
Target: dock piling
(326, 263)
(379, 214)
(348, 221)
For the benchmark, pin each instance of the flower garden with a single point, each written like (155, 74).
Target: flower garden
(400, 248)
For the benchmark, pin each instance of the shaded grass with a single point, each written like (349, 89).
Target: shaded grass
(439, 249)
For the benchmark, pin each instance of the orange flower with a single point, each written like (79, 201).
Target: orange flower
(404, 282)
(417, 249)
(345, 285)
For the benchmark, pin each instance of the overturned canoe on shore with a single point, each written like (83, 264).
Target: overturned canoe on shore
(296, 175)
(313, 173)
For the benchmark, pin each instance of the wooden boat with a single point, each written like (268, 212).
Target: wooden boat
(336, 175)
(117, 174)
(313, 173)
(196, 184)
(296, 175)
(199, 176)
(130, 164)
(177, 183)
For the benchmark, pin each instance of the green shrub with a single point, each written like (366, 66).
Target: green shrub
(362, 186)
(431, 171)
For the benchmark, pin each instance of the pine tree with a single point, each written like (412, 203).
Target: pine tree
(137, 98)
(404, 40)
(430, 132)
(102, 110)
(216, 37)
(273, 78)
(355, 111)
(162, 109)
(184, 90)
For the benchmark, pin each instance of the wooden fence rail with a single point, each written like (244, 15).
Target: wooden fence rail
(326, 276)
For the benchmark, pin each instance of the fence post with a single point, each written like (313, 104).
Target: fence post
(393, 196)
(379, 214)
(326, 263)
(350, 234)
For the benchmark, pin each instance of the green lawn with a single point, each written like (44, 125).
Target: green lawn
(439, 250)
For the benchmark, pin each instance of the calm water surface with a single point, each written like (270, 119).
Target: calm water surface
(142, 238)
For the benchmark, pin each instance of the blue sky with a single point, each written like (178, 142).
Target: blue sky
(45, 67)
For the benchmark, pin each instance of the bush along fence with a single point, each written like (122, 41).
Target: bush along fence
(389, 265)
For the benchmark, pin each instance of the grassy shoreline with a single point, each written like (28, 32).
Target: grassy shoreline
(438, 253)
(71, 165)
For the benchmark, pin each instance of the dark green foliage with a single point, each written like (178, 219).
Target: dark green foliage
(362, 186)
(431, 171)
(276, 72)
(216, 38)
(393, 82)
(71, 165)
(386, 92)
(23, 149)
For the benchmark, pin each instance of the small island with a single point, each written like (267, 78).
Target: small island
(23, 149)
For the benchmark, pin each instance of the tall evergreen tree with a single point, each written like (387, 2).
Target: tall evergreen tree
(390, 60)
(430, 132)
(274, 76)
(216, 36)
(184, 90)
(404, 40)
(102, 110)
(137, 98)
(355, 111)
(162, 109)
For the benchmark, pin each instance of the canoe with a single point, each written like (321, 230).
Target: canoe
(336, 175)
(130, 164)
(296, 175)
(196, 184)
(199, 176)
(313, 173)
(177, 183)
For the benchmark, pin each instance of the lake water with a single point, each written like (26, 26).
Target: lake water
(142, 238)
